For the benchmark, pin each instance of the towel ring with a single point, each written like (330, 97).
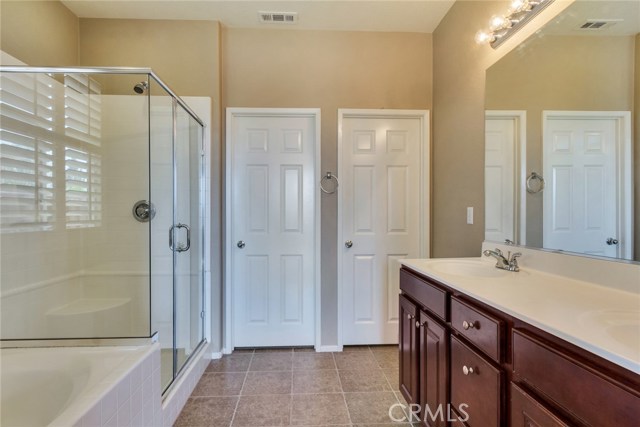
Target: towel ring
(531, 188)
(329, 176)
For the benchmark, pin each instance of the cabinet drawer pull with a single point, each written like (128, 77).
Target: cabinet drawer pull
(467, 370)
(469, 325)
(409, 316)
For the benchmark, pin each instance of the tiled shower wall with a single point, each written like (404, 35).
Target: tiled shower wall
(44, 270)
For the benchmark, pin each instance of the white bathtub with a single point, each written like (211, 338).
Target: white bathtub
(79, 386)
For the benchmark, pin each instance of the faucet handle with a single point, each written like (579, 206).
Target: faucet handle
(513, 262)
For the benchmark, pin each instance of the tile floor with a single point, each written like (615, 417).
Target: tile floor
(298, 387)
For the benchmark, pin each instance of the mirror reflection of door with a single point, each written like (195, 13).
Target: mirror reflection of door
(504, 148)
(586, 158)
(570, 66)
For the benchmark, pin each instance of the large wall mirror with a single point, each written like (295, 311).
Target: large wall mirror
(562, 168)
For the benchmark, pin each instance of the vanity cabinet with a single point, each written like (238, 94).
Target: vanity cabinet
(433, 366)
(593, 397)
(526, 411)
(485, 368)
(408, 350)
(476, 384)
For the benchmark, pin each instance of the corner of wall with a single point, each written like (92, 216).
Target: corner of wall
(39, 32)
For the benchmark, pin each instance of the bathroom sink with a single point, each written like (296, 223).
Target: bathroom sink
(622, 326)
(468, 268)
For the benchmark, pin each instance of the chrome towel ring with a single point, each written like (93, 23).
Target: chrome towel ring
(328, 177)
(532, 187)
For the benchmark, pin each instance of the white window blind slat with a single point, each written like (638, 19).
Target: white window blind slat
(83, 200)
(27, 156)
(82, 108)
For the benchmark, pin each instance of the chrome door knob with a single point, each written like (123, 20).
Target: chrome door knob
(467, 370)
(348, 244)
(611, 241)
(240, 244)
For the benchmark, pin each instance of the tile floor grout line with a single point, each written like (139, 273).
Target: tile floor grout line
(291, 394)
(344, 398)
(246, 374)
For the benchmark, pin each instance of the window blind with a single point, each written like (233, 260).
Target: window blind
(83, 188)
(34, 153)
(82, 108)
(27, 153)
(82, 162)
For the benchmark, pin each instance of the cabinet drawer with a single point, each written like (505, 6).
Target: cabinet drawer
(426, 294)
(476, 383)
(527, 411)
(591, 397)
(483, 330)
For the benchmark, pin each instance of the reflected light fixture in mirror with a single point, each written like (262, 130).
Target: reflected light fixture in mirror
(501, 27)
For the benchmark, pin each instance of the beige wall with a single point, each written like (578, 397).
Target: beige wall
(329, 70)
(458, 128)
(549, 73)
(39, 32)
(637, 151)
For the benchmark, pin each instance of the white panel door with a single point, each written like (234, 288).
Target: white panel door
(380, 215)
(580, 198)
(499, 176)
(273, 229)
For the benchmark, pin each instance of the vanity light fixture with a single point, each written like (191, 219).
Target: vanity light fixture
(501, 27)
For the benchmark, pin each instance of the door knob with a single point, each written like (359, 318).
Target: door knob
(240, 244)
(612, 241)
(348, 244)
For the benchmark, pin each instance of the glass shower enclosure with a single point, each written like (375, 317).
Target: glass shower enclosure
(101, 211)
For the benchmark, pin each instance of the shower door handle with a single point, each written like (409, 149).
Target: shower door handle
(185, 248)
(180, 247)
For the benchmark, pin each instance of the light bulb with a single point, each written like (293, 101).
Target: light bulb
(498, 22)
(519, 5)
(483, 37)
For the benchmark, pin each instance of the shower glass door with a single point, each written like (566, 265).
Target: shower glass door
(188, 237)
(176, 231)
(161, 170)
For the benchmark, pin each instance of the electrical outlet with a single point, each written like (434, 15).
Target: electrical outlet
(470, 215)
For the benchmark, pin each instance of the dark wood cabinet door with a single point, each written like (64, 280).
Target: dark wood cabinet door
(588, 395)
(434, 371)
(408, 351)
(476, 384)
(526, 411)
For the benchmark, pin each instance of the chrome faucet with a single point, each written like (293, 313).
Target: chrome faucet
(510, 263)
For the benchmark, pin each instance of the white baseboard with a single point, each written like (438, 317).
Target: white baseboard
(216, 355)
(329, 348)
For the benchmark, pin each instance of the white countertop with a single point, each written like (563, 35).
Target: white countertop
(599, 319)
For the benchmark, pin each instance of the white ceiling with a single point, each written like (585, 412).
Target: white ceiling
(421, 16)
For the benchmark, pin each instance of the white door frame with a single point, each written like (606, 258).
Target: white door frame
(520, 172)
(425, 185)
(624, 163)
(232, 113)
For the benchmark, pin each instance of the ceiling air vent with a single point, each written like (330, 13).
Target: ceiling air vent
(278, 17)
(598, 24)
